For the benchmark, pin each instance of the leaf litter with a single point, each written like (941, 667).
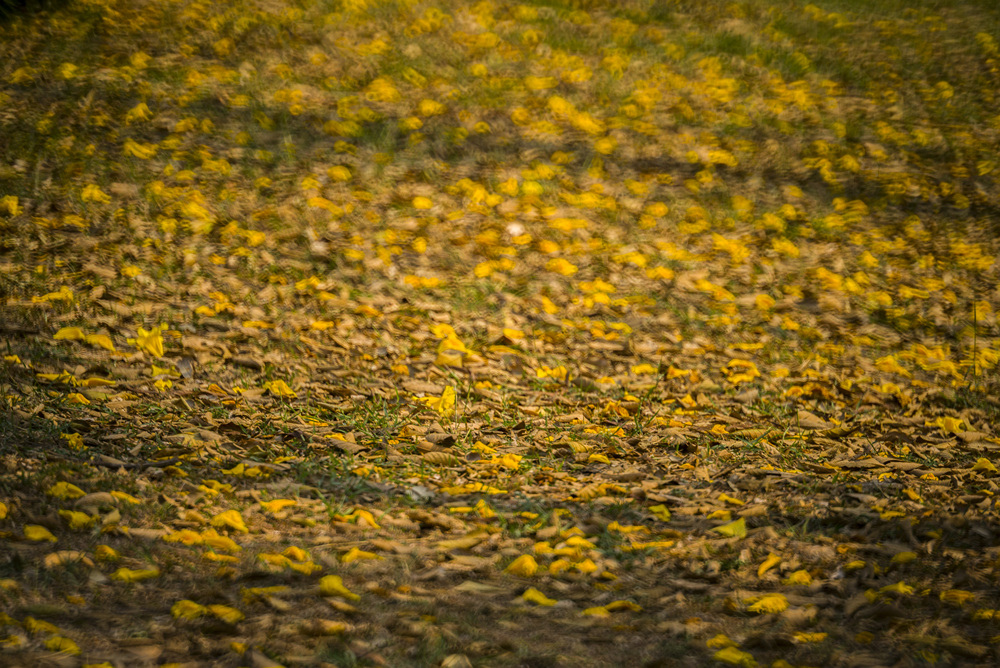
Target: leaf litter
(376, 333)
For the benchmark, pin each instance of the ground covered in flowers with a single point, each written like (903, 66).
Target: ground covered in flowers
(393, 333)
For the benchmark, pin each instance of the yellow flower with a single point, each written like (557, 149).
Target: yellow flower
(561, 266)
(230, 519)
(186, 609)
(768, 603)
(65, 490)
(10, 204)
(139, 112)
(130, 575)
(332, 585)
(430, 108)
(279, 388)
(149, 341)
(92, 193)
(38, 533)
(445, 404)
(525, 566)
(532, 595)
(137, 150)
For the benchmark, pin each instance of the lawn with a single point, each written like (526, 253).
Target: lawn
(405, 333)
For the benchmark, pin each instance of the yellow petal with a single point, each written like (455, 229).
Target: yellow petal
(77, 520)
(230, 519)
(624, 605)
(532, 595)
(100, 340)
(903, 557)
(38, 533)
(105, 553)
(184, 537)
(661, 511)
(296, 553)
(225, 613)
(525, 566)
(332, 585)
(130, 575)
(277, 505)
(306, 567)
(150, 342)
(354, 554)
(65, 490)
(737, 529)
(735, 657)
(983, 464)
(599, 611)
(900, 588)
(279, 388)
(62, 645)
(128, 498)
(769, 563)
(769, 603)
(800, 577)
(212, 538)
(956, 596)
(720, 640)
(187, 609)
(69, 334)
(3, 510)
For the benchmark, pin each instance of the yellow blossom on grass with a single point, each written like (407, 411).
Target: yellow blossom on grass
(357, 554)
(9, 203)
(444, 405)
(186, 609)
(65, 490)
(525, 566)
(333, 585)
(105, 553)
(37, 533)
(225, 613)
(559, 373)
(769, 563)
(230, 519)
(136, 150)
(735, 657)
(957, 597)
(135, 575)
(62, 645)
(768, 604)
(561, 266)
(63, 294)
(532, 595)
(150, 341)
(736, 529)
(983, 464)
(800, 577)
(280, 388)
(139, 112)
(77, 521)
(93, 193)
(898, 588)
(277, 505)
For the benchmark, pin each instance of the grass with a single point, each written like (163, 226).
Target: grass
(818, 155)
